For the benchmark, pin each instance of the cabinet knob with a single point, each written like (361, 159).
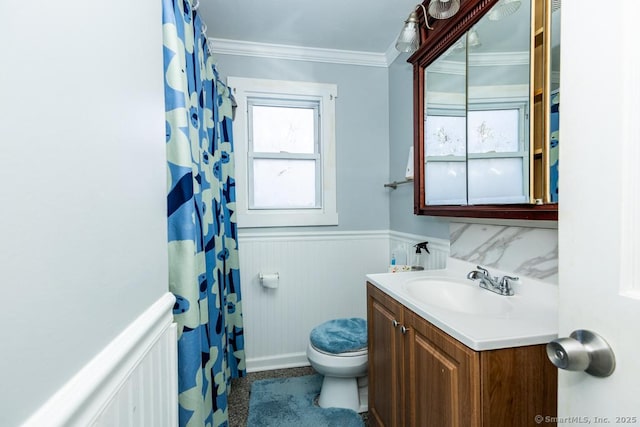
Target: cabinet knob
(404, 329)
(395, 323)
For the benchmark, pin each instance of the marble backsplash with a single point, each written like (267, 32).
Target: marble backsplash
(531, 252)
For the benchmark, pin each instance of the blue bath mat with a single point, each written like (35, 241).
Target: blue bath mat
(289, 402)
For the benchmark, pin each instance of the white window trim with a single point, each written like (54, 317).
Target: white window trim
(325, 94)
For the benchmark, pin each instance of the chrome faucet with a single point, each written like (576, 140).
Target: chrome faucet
(491, 283)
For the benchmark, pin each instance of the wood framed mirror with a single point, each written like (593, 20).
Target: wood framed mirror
(455, 175)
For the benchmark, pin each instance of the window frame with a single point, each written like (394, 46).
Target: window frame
(249, 91)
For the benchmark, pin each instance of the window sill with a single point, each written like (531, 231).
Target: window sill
(286, 219)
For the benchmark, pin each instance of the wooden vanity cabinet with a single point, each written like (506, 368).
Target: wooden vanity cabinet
(386, 359)
(421, 377)
(442, 378)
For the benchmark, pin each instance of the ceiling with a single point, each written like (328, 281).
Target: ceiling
(351, 25)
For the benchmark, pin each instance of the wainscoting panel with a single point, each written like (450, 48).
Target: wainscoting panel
(131, 383)
(321, 277)
(438, 248)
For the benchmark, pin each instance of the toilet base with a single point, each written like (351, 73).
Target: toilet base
(349, 393)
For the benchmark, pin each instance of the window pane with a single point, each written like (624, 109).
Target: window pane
(493, 131)
(446, 183)
(445, 136)
(496, 181)
(284, 184)
(287, 129)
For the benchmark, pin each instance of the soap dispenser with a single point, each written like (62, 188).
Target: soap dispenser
(399, 254)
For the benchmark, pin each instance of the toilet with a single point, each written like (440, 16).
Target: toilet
(338, 350)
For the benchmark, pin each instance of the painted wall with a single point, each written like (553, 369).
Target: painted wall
(401, 214)
(322, 269)
(362, 130)
(82, 187)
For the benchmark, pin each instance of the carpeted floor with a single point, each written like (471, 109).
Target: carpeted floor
(241, 387)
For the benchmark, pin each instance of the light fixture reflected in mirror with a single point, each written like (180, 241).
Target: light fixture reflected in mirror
(443, 9)
(472, 40)
(409, 38)
(503, 9)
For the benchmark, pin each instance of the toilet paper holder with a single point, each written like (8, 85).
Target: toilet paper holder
(583, 351)
(269, 280)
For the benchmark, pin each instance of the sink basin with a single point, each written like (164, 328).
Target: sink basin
(458, 296)
(480, 319)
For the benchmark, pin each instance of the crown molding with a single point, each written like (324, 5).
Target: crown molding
(297, 53)
(490, 59)
(350, 57)
(446, 66)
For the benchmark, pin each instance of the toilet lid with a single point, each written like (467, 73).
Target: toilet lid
(340, 335)
(357, 353)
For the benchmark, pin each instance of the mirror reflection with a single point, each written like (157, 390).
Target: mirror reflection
(445, 128)
(477, 114)
(554, 120)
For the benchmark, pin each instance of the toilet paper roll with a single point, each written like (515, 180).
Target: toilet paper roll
(269, 280)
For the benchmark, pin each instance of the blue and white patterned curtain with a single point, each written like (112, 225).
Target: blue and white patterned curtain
(203, 247)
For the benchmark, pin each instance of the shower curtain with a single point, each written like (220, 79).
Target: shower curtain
(203, 247)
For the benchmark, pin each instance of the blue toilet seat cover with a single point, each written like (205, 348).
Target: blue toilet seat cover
(340, 335)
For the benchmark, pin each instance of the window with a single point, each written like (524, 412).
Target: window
(285, 153)
(478, 157)
(498, 159)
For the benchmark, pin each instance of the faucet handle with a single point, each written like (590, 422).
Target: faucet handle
(505, 284)
(483, 270)
(509, 279)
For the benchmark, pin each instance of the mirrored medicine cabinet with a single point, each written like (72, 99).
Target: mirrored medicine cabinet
(486, 106)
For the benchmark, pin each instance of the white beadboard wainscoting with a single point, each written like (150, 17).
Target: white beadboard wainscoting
(321, 277)
(133, 382)
(438, 248)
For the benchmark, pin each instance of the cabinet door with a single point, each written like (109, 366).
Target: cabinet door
(442, 378)
(384, 316)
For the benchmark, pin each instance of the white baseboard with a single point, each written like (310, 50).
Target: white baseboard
(284, 361)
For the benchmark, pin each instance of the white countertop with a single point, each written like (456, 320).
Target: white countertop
(531, 319)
